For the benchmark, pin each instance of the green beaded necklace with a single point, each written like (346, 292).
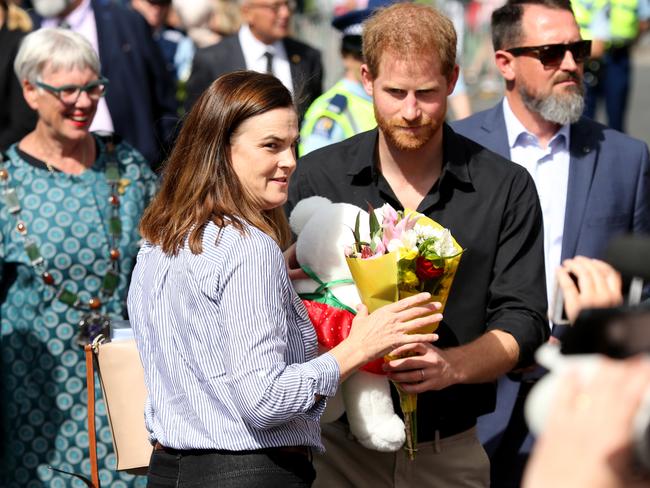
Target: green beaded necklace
(93, 322)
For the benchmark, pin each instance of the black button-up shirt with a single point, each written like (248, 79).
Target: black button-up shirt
(491, 207)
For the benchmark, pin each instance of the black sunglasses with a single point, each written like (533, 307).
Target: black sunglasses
(553, 54)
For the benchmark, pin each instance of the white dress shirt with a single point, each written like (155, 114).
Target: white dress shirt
(549, 168)
(82, 21)
(254, 50)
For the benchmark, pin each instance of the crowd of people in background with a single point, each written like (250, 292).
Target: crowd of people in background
(103, 102)
(183, 30)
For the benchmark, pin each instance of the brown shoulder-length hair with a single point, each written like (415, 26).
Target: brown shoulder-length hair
(199, 183)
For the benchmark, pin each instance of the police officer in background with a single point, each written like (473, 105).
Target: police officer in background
(345, 109)
(613, 26)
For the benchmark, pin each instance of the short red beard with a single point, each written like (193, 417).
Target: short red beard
(403, 140)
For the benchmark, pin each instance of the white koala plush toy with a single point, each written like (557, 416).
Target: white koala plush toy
(324, 230)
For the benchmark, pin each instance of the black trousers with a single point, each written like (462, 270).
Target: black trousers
(272, 468)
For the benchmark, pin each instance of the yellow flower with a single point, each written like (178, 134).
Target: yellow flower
(410, 279)
(409, 254)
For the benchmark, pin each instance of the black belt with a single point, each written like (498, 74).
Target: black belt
(445, 428)
(300, 450)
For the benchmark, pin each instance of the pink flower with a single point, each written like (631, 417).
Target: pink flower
(394, 229)
(380, 249)
(407, 223)
(389, 216)
(410, 221)
(390, 233)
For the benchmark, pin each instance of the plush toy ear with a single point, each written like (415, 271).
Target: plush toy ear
(304, 210)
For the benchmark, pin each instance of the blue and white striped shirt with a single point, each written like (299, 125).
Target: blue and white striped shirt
(229, 355)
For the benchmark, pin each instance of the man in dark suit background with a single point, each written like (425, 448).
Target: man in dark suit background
(262, 44)
(593, 182)
(140, 100)
(16, 118)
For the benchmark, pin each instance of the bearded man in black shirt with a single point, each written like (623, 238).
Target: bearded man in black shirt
(495, 317)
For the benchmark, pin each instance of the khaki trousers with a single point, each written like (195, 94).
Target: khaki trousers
(458, 461)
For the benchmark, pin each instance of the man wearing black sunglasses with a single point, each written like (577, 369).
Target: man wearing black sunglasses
(593, 182)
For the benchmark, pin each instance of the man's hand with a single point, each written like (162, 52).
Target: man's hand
(426, 368)
(599, 285)
(431, 368)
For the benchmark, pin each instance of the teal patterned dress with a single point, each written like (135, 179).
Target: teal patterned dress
(42, 376)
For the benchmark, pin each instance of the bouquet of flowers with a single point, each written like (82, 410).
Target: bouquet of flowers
(407, 253)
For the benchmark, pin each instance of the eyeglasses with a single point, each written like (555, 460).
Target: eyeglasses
(553, 54)
(276, 6)
(69, 94)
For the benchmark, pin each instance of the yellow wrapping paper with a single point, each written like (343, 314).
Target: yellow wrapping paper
(376, 280)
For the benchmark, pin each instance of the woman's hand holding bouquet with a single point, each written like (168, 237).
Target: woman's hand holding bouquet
(394, 325)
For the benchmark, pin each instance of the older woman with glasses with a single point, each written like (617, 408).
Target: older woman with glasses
(70, 203)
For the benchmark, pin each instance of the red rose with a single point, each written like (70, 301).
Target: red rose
(425, 270)
(366, 252)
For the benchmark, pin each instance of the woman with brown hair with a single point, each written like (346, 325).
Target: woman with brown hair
(235, 385)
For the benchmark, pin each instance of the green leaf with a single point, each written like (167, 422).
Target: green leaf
(406, 265)
(429, 253)
(375, 228)
(426, 246)
(357, 235)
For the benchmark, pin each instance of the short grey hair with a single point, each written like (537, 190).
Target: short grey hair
(56, 49)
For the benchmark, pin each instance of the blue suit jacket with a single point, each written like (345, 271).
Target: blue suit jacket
(140, 95)
(608, 194)
(609, 180)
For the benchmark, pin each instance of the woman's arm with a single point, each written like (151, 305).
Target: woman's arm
(253, 309)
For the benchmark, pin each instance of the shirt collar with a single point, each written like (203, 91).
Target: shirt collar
(455, 163)
(255, 47)
(78, 15)
(367, 149)
(517, 133)
(455, 160)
